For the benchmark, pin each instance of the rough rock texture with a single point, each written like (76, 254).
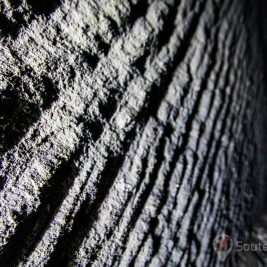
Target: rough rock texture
(131, 130)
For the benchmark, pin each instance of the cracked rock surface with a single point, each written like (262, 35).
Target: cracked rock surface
(130, 130)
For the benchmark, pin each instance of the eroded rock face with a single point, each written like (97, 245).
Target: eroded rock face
(130, 130)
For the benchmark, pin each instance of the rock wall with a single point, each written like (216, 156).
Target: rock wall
(131, 130)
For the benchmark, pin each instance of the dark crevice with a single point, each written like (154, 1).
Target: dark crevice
(169, 26)
(7, 27)
(93, 129)
(15, 3)
(72, 73)
(137, 11)
(107, 111)
(43, 7)
(50, 93)
(90, 59)
(102, 45)
(114, 26)
(19, 18)
(140, 62)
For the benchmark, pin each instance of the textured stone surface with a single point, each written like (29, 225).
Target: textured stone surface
(131, 130)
